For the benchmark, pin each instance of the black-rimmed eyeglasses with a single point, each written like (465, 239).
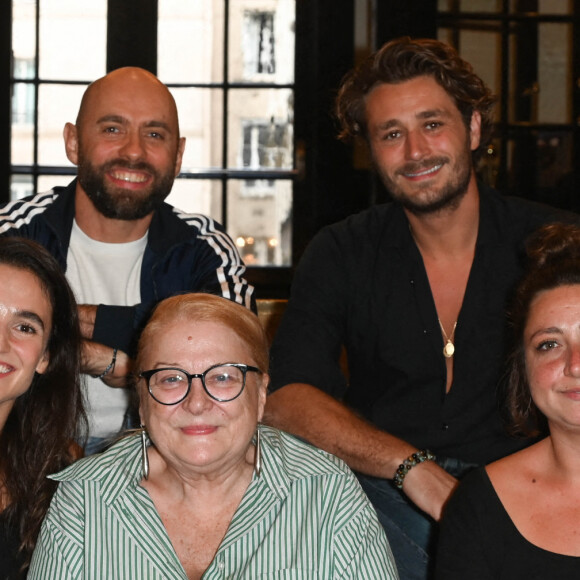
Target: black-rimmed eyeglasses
(223, 382)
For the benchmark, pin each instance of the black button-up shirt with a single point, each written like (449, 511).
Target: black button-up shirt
(362, 284)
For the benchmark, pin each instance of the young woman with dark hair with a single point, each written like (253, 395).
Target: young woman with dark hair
(41, 407)
(519, 517)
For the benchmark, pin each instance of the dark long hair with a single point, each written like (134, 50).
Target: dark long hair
(404, 59)
(554, 261)
(40, 432)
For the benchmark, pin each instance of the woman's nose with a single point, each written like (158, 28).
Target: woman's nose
(197, 399)
(573, 362)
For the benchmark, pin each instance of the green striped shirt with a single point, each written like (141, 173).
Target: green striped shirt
(305, 517)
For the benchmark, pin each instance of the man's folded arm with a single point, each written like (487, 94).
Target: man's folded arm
(310, 413)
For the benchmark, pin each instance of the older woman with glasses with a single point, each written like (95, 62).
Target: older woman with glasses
(203, 490)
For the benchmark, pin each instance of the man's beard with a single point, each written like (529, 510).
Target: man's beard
(426, 200)
(117, 203)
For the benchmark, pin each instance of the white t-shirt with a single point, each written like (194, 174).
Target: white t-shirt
(103, 273)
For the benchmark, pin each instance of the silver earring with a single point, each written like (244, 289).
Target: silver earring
(144, 455)
(258, 454)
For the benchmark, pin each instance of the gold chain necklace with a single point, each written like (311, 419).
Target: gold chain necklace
(449, 347)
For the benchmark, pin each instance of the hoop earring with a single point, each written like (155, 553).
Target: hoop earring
(258, 454)
(144, 455)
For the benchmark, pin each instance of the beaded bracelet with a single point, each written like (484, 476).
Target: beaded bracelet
(110, 366)
(409, 463)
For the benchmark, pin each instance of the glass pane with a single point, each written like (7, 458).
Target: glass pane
(198, 196)
(73, 39)
(22, 137)
(445, 35)
(555, 6)
(20, 186)
(549, 155)
(260, 221)
(23, 34)
(65, 24)
(483, 50)
(260, 128)
(190, 41)
(261, 41)
(555, 73)
(480, 5)
(47, 182)
(554, 165)
(57, 105)
(201, 123)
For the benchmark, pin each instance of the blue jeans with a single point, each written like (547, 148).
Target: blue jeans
(411, 532)
(96, 445)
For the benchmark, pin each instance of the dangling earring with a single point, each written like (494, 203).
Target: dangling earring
(144, 456)
(258, 454)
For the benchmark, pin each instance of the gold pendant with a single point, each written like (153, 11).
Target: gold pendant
(448, 349)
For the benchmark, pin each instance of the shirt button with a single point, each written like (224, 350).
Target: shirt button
(221, 565)
(445, 426)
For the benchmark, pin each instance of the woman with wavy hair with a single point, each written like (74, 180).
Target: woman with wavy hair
(41, 410)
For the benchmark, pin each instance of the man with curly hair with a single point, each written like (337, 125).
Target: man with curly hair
(415, 291)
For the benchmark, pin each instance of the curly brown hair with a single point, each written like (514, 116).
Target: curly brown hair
(554, 261)
(404, 59)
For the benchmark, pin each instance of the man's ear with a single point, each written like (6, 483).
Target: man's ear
(71, 142)
(475, 130)
(179, 157)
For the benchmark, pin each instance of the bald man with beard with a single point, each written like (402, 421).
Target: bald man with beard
(122, 247)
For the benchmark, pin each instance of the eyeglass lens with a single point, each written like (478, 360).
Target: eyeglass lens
(170, 385)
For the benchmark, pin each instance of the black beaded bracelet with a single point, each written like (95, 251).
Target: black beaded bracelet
(110, 366)
(409, 463)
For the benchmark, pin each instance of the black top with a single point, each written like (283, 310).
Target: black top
(362, 283)
(479, 541)
(9, 561)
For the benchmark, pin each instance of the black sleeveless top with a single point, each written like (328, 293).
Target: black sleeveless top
(10, 561)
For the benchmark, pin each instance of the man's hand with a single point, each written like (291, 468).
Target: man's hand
(87, 317)
(96, 358)
(332, 426)
(429, 487)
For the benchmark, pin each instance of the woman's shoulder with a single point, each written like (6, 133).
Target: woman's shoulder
(294, 468)
(510, 472)
(299, 459)
(121, 457)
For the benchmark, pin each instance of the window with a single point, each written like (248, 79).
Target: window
(524, 50)
(230, 66)
(23, 93)
(258, 45)
(230, 96)
(266, 145)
